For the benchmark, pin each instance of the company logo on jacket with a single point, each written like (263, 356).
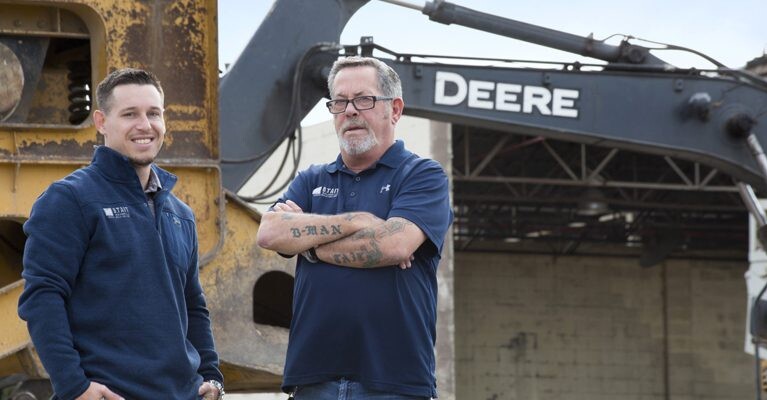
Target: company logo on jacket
(322, 191)
(116, 212)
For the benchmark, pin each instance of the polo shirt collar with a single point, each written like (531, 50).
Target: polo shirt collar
(154, 184)
(392, 158)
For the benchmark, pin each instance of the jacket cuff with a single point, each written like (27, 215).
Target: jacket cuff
(73, 392)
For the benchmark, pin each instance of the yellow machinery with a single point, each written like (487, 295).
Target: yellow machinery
(52, 53)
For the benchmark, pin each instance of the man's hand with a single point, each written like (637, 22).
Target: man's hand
(97, 391)
(287, 206)
(406, 263)
(208, 391)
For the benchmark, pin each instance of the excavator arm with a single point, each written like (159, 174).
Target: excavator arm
(636, 101)
(680, 113)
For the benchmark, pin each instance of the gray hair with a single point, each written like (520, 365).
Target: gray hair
(388, 80)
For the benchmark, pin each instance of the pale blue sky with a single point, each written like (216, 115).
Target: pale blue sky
(732, 32)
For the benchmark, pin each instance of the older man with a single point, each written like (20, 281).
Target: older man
(369, 228)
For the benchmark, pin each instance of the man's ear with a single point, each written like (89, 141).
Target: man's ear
(397, 105)
(98, 120)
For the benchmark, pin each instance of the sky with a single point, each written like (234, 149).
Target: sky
(732, 34)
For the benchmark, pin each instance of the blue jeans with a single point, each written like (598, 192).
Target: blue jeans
(343, 389)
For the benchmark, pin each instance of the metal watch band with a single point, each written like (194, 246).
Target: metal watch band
(219, 386)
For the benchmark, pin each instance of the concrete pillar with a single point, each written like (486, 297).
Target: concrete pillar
(442, 151)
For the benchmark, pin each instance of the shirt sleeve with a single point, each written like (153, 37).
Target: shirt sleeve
(423, 198)
(299, 192)
(200, 333)
(51, 266)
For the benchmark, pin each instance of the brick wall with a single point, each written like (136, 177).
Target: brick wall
(580, 328)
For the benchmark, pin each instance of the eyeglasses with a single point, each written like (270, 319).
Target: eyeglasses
(360, 103)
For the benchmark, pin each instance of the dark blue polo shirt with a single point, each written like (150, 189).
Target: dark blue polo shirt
(378, 325)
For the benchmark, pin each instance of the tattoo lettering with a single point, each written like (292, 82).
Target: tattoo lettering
(395, 226)
(367, 257)
(315, 230)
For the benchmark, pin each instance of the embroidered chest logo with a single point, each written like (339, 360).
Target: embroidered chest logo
(385, 188)
(322, 191)
(116, 212)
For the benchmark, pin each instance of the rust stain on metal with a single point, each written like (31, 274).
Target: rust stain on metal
(187, 113)
(65, 148)
(185, 144)
(170, 38)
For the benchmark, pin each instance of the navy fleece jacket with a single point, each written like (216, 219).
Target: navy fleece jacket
(112, 292)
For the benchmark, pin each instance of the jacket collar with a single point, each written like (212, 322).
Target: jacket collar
(392, 158)
(116, 167)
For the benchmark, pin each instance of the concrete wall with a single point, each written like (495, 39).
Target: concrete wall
(575, 328)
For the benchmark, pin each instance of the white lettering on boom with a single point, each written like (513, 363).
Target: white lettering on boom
(503, 96)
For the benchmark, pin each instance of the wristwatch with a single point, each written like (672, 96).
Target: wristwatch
(311, 255)
(219, 386)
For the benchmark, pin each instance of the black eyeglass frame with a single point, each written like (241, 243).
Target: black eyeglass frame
(346, 102)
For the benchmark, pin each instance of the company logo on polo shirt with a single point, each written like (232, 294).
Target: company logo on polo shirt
(322, 191)
(116, 212)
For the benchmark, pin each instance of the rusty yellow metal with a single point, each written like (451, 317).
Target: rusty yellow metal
(24, 361)
(27, 18)
(253, 354)
(13, 331)
(9, 267)
(200, 188)
(177, 40)
(21, 184)
(10, 254)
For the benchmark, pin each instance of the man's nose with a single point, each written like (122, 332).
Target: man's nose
(143, 123)
(350, 109)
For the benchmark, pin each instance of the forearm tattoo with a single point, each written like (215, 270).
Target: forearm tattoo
(319, 229)
(315, 230)
(367, 256)
(368, 253)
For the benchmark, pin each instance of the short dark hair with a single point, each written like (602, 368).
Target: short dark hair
(124, 76)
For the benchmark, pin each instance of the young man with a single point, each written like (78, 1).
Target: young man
(112, 297)
(369, 228)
